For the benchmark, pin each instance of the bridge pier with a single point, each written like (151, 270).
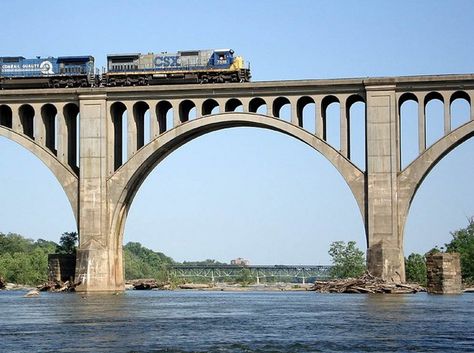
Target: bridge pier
(99, 256)
(385, 241)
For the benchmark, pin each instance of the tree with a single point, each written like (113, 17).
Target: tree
(348, 260)
(415, 268)
(67, 243)
(141, 262)
(463, 243)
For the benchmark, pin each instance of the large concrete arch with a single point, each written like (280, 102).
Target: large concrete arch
(64, 174)
(125, 182)
(411, 178)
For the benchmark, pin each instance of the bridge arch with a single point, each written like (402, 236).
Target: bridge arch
(65, 175)
(411, 178)
(126, 181)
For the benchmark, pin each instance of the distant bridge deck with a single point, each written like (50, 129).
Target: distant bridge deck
(215, 272)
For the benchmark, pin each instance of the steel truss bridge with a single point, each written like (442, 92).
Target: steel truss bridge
(259, 272)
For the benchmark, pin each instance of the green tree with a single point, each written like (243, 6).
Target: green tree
(347, 260)
(67, 243)
(141, 262)
(245, 277)
(415, 268)
(463, 243)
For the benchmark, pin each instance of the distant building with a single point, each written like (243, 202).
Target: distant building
(240, 262)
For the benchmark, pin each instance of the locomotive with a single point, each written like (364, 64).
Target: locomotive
(192, 66)
(65, 71)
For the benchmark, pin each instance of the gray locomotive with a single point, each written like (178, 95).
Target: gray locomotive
(193, 66)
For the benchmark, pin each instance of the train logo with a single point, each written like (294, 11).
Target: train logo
(46, 68)
(167, 61)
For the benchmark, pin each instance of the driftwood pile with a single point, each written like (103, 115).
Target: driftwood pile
(58, 286)
(145, 284)
(365, 284)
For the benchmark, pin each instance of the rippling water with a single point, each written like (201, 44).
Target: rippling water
(160, 321)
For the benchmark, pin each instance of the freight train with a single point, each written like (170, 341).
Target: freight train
(194, 66)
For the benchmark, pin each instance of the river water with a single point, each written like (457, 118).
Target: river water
(200, 321)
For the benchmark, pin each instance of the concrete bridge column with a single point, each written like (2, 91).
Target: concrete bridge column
(421, 125)
(62, 135)
(385, 243)
(319, 117)
(16, 122)
(472, 105)
(154, 128)
(98, 254)
(447, 112)
(344, 131)
(39, 128)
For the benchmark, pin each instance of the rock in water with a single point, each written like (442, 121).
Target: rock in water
(31, 294)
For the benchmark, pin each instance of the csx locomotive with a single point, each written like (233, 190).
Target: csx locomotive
(196, 66)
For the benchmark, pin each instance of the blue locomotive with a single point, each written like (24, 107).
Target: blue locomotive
(65, 71)
(192, 66)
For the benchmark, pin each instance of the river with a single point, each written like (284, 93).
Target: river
(200, 321)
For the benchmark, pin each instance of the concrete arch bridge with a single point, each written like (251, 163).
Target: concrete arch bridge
(101, 180)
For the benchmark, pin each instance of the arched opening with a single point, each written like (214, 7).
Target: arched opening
(282, 108)
(6, 116)
(408, 110)
(238, 215)
(331, 114)
(258, 105)
(164, 109)
(356, 126)
(118, 112)
(71, 117)
(34, 204)
(187, 111)
(443, 202)
(234, 105)
(306, 113)
(27, 115)
(434, 117)
(460, 109)
(140, 111)
(210, 106)
(49, 115)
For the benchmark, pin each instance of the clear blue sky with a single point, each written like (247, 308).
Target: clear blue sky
(247, 192)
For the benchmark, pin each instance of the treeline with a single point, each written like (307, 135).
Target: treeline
(141, 262)
(25, 261)
(462, 243)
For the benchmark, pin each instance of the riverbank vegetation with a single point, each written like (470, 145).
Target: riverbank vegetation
(348, 261)
(25, 261)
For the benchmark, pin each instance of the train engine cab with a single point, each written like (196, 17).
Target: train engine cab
(66, 71)
(193, 66)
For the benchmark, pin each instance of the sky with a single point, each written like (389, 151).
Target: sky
(248, 192)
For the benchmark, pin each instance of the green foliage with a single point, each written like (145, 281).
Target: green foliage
(245, 277)
(24, 261)
(415, 268)
(348, 260)
(463, 243)
(67, 243)
(206, 262)
(141, 262)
